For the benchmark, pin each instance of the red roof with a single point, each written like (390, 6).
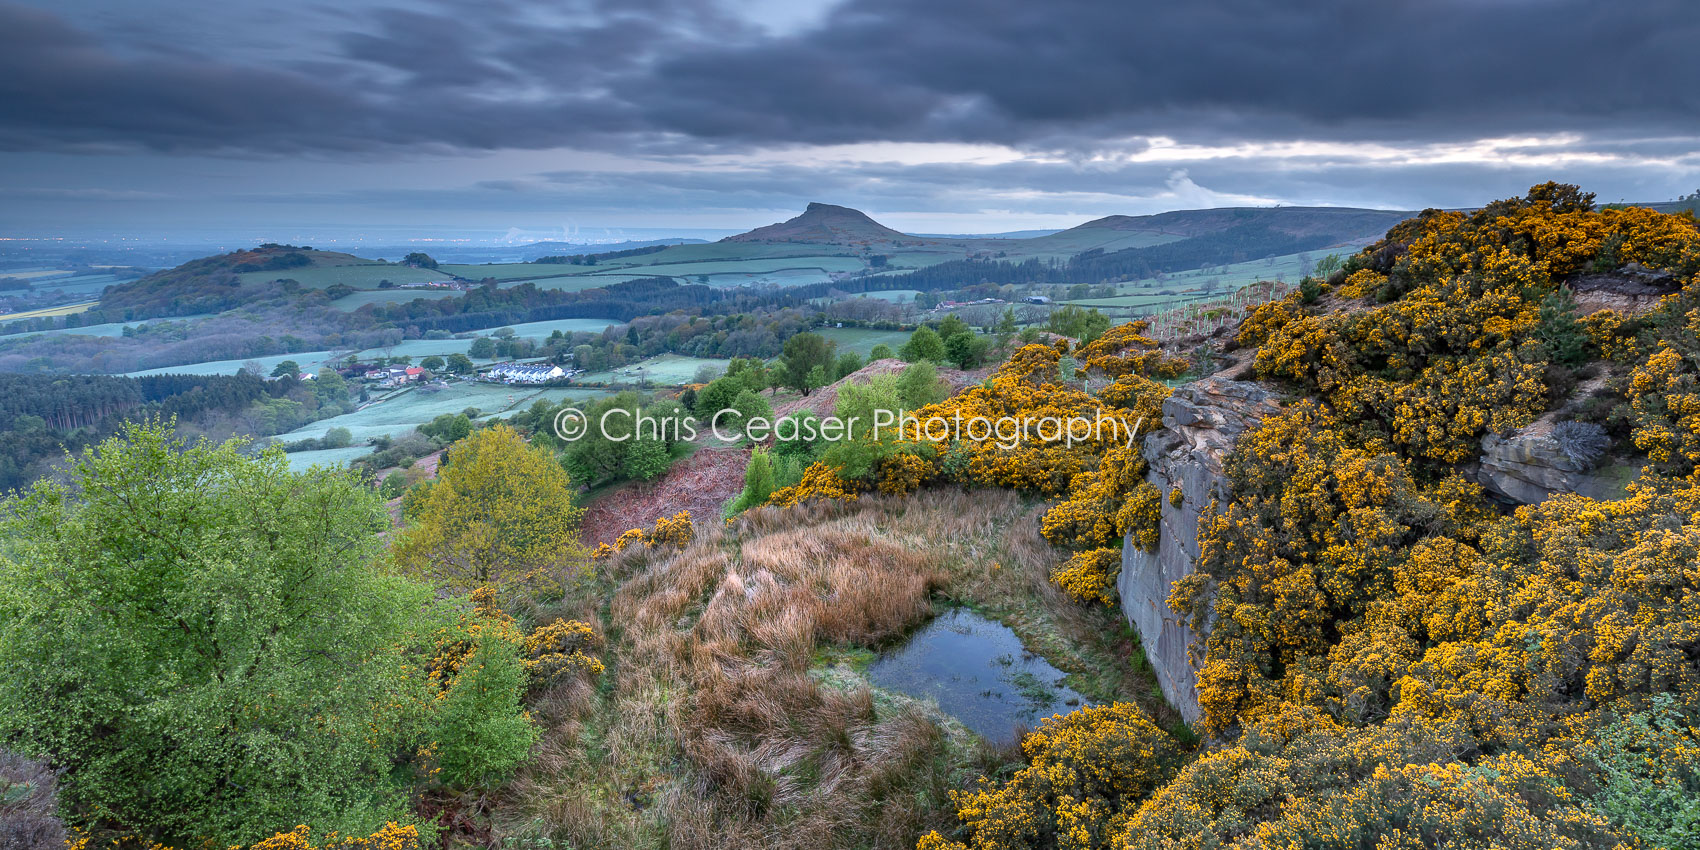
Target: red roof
(414, 370)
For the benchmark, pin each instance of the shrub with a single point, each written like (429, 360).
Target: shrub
(759, 483)
(481, 733)
(392, 837)
(647, 459)
(1649, 769)
(1087, 772)
(924, 344)
(561, 648)
(29, 816)
(1090, 576)
(215, 623)
(1583, 442)
(920, 385)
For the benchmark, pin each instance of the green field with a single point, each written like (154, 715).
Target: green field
(718, 251)
(540, 330)
(64, 310)
(406, 410)
(1070, 242)
(1288, 267)
(757, 265)
(87, 285)
(892, 295)
(516, 271)
(863, 340)
(356, 300)
(365, 276)
(334, 458)
(1150, 299)
(727, 265)
(310, 361)
(665, 370)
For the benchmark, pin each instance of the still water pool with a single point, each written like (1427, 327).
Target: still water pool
(979, 673)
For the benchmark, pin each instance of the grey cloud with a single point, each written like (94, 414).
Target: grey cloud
(665, 75)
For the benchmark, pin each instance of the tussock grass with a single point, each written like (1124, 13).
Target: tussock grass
(712, 727)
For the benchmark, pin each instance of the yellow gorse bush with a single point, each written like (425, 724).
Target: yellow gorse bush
(1392, 662)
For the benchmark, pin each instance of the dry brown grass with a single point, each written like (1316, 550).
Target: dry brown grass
(710, 730)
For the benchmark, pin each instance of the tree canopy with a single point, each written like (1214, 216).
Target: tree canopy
(500, 509)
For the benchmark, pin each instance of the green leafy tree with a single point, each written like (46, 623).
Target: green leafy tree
(647, 459)
(1078, 322)
(952, 326)
(881, 351)
(482, 734)
(500, 508)
(419, 259)
(799, 438)
(923, 344)
(331, 390)
(1006, 327)
(848, 362)
(1327, 266)
(447, 427)
(966, 350)
(866, 444)
(337, 438)
(749, 405)
(920, 385)
(805, 353)
(718, 395)
(459, 364)
(482, 348)
(200, 638)
(287, 369)
(432, 363)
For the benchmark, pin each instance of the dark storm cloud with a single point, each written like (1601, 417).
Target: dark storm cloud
(666, 75)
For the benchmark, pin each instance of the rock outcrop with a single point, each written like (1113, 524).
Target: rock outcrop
(1201, 423)
(1528, 468)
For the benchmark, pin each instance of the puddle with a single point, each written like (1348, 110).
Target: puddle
(979, 673)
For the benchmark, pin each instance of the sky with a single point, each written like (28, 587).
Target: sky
(519, 119)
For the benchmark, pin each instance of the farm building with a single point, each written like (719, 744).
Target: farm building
(395, 376)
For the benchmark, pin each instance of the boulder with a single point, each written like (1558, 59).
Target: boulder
(1202, 422)
(1527, 468)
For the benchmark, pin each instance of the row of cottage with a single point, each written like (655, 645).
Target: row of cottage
(506, 373)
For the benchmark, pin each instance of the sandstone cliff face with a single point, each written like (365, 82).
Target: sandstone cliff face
(1201, 423)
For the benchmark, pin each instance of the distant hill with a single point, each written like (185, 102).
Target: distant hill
(824, 224)
(1342, 223)
(835, 225)
(214, 284)
(1009, 234)
(545, 248)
